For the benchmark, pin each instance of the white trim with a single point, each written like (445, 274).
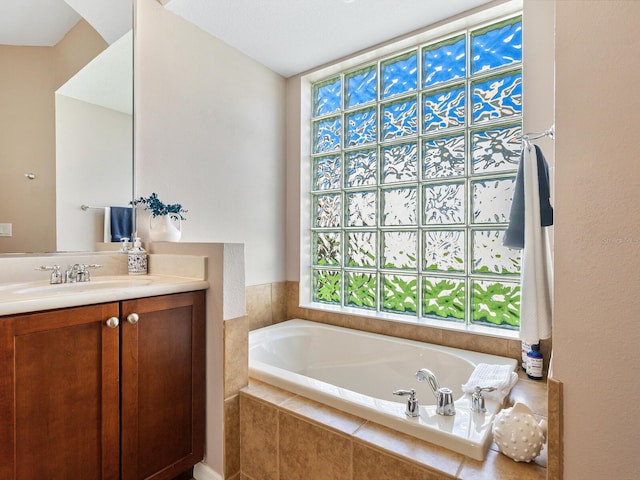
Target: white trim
(202, 471)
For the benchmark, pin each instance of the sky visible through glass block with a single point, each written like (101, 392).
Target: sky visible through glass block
(497, 46)
(361, 87)
(327, 97)
(400, 75)
(444, 61)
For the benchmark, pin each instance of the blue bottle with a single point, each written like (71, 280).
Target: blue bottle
(534, 362)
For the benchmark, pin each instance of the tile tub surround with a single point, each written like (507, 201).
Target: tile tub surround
(316, 442)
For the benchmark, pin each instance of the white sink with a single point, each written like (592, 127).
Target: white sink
(97, 283)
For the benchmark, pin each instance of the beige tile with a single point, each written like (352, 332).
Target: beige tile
(232, 436)
(279, 302)
(266, 393)
(370, 464)
(498, 466)
(475, 342)
(236, 355)
(258, 430)
(555, 431)
(410, 449)
(259, 305)
(533, 393)
(322, 414)
(309, 452)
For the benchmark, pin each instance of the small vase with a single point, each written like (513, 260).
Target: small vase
(165, 228)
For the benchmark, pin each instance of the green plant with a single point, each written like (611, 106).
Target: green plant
(158, 208)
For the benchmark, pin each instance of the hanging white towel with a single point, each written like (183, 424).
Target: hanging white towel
(107, 225)
(536, 273)
(501, 377)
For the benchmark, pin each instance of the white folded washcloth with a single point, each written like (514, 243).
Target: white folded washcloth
(502, 377)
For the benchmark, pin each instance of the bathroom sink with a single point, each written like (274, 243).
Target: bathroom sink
(36, 288)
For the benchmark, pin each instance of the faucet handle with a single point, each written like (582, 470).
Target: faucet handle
(56, 274)
(413, 408)
(477, 399)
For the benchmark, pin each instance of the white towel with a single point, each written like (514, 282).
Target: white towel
(107, 225)
(536, 272)
(502, 377)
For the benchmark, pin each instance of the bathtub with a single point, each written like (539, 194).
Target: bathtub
(357, 372)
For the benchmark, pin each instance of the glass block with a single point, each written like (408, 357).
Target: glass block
(361, 209)
(444, 204)
(399, 118)
(400, 250)
(399, 74)
(327, 134)
(328, 210)
(361, 87)
(362, 249)
(327, 286)
(497, 98)
(444, 109)
(443, 157)
(362, 127)
(490, 256)
(497, 150)
(327, 248)
(443, 297)
(400, 163)
(444, 250)
(492, 200)
(444, 61)
(496, 45)
(327, 97)
(496, 303)
(362, 168)
(328, 172)
(400, 206)
(362, 290)
(400, 293)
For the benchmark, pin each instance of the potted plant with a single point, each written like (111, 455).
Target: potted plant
(163, 228)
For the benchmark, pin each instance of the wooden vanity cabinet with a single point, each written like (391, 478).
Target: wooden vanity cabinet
(95, 392)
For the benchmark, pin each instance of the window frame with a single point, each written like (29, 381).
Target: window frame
(435, 34)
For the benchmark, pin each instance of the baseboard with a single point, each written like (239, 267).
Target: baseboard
(202, 471)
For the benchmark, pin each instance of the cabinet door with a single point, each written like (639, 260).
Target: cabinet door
(59, 398)
(162, 387)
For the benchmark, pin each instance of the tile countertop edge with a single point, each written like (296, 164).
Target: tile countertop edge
(162, 285)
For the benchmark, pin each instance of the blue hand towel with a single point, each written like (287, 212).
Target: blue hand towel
(121, 226)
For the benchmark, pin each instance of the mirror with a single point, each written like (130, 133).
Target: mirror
(66, 122)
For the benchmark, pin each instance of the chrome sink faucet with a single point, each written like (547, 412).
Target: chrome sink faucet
(78, 272)
(444, 395)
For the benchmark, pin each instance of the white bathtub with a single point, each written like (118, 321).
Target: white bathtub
(357, 372)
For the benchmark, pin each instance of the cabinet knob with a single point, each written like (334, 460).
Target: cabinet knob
(133, 318)
(113, 322)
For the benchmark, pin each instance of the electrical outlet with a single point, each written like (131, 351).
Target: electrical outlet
(5, 229)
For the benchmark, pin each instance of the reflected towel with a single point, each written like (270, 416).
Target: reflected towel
(502, 377)
(107, 225)
(121, 226)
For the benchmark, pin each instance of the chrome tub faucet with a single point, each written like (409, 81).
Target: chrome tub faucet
(444, 395)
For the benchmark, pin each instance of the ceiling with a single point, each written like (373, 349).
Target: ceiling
(287, 36)
(45, 22)
(292, 36)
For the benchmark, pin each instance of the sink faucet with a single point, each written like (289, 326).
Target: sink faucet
(79, 272)
(444, 396)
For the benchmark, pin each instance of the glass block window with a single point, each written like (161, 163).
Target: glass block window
(413, 165)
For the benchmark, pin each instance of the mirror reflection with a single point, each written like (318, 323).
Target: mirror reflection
(66, 121)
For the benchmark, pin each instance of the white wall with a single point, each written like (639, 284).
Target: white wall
(597, 236)
(210, 135)
(94, 143)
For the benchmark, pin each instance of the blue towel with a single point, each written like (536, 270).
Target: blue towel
(514, 235)
(121, 225)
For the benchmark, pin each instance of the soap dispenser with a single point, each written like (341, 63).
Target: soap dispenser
(137, 259)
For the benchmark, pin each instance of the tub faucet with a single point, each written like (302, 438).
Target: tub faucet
(444, 395)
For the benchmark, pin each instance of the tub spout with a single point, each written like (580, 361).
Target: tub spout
(444, 396)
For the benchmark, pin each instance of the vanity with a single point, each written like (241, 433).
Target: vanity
(102, 380)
